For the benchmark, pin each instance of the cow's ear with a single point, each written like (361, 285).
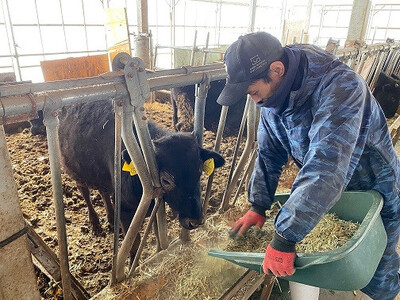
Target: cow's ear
(206, 154)
(126, 157)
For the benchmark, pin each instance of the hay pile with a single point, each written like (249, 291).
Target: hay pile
(188, 272)
(330, 233)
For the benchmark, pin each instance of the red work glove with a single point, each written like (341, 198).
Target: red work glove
(244, 223)
(279, 257)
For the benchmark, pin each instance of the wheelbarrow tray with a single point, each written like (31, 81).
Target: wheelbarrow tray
(347, 268)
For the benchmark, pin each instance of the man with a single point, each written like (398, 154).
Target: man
(322, 114)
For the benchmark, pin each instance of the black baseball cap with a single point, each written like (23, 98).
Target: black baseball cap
(245, 59)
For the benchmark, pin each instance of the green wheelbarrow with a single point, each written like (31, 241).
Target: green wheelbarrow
(347, 268)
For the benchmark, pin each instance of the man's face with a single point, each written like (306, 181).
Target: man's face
(261, 90)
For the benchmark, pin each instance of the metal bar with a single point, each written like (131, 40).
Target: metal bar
(193, 49)
(145, 234)
(162, 225)
(84, 25)
(58, 25)
(139, 82)
(252, 15)
(40, 29)
(382, 58)
(197, 49)
(206, 48)
(111, 77)
(13, 39)
(51, 122)
(199, 110)
(246, 172)
(54, 53)
(251, 137)
(218, 139)
(117, 187)
(225, 198)
(360, 64)
(21, 104)
(63, 25)
(135, 153)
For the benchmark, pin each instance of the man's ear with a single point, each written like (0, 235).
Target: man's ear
(277, 67)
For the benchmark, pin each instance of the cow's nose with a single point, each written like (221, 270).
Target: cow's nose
(189, 223)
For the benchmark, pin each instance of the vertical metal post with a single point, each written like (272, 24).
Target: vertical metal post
(142, 38)
(39, 27)
(219, 22)
(63, 26)
(218, 138)
(308, 16)
(117, 187)
(17, 276)
(286, 37)
(199, 110)
(373, 36)
(172, 30)
(84, 25)
(252, 18)
(193, 49)
(51, 122)
(14, 44)
(229, 187)
(206, 47)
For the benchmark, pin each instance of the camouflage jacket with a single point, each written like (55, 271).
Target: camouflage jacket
(336, 133)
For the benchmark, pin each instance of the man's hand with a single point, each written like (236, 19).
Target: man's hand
(244, 223)
(279, 257)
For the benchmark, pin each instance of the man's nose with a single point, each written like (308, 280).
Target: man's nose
(256, 99)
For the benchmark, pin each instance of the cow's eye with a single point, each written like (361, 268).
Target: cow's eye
(167, 181)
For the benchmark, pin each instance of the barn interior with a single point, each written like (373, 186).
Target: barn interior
(158, 61)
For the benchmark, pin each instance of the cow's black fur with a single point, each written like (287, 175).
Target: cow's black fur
(387, 92)
(183, 102)
(86, 134)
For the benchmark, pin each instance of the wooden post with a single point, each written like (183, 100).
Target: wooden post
(17, 276)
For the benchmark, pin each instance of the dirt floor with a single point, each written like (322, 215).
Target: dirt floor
(90, 255)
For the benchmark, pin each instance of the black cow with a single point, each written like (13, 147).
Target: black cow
(387, 93)
(183, 101)
(37, 125)
(86, 135)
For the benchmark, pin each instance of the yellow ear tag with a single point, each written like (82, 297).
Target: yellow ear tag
(208, 166)
(129, 168)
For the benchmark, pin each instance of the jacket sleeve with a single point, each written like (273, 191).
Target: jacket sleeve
(337, 137)
(268, 167)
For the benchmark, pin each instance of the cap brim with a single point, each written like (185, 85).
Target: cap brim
(232, 93)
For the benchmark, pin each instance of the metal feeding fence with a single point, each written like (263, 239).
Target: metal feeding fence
(129, 85)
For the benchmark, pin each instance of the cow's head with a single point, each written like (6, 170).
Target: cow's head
(180, 162)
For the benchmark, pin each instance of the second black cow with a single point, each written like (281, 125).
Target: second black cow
(86, 134)
(183, 103)
(387, 93)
